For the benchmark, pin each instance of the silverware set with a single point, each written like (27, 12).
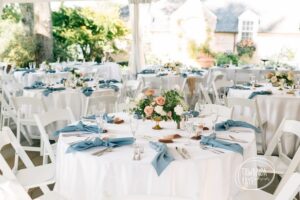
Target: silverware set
(211, 149)
(137, 152)
(102, 151)
(233, 139)
(183, 153)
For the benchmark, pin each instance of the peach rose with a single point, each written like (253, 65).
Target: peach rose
(269, 75)
(148, 110)
(160, 100)
(149, 92)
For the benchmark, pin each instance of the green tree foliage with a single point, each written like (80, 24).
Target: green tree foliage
(11, 12)
(92, 33)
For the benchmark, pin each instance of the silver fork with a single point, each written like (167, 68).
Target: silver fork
(100, 153)
(86, 139)
(210, 149)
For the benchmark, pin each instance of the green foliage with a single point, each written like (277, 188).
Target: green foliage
(95, 34)
(227, 58)
(195, 50)
(12, 13)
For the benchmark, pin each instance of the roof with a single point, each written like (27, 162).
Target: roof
(280, 16)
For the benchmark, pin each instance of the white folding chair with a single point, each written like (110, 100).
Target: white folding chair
(288, 191)
(284, 165)
(43, 121)
(153, 197)
(240, 106)
(31, 176)
(105, 102)
(11, 189)
(220, 88)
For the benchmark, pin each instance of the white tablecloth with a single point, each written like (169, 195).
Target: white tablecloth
(273, 109)
(206, 176)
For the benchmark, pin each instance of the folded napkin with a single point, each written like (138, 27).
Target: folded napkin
(269, 67)
(106, 118)
(223, 126)
(27, 71)
(213, 142)
(238, 87)
(254, 94)
(67, 69)
(49, 90)
(51, 71)
(194, 113)
(184, 75)
(88, 79)
(21, 69)
(111, 142)
(79, 127)
(161, 74)
(109, 81)
(198, 72)
(36, 85)
(249, 84)
(162, 159)
(147, 71)
(87, 91)
(105, 85)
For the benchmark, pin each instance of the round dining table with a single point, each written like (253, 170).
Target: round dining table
(282, 104)
(114, 175)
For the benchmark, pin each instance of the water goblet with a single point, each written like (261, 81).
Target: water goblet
(134, 124)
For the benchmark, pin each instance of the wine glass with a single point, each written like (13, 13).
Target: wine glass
(253, 80)
(134, 124)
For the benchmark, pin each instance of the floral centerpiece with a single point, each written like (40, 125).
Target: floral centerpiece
(246, 47)
(169, 106)
(173, 66)
(280, 78)
(77, 77)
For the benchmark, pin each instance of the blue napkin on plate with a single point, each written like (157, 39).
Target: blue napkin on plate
(106, 118)
(36, 85)
(238, 87)
(194, 113)
(223, 126)
(27, 71)
(51, 71)
(79, 127)
(197, 72)
(213, 142)
(49, 90)
(254, 94)
(87, 91)
(111, 142)
(249, 84)
(110, 86)
(161, 74)
(109, 81)
(147, 71)
(162, 159)
(88, 79)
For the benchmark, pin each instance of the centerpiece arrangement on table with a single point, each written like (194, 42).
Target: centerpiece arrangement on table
(281, 78)
(169, 105)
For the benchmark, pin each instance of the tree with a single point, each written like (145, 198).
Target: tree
(93, 33)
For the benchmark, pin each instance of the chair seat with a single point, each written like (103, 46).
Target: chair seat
(51, 196)
(152, 197)
(253, 195)
(277, 163)
(34, 176)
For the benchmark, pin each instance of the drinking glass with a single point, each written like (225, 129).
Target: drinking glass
(253, 80)
(134, 124)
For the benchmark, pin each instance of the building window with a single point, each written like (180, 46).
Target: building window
(247, 30)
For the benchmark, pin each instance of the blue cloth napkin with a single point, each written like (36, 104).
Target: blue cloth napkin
(67, 69)
(108, 81)
(147, 71)
(249, 84)
(197, 72)
(87, 91)
(49, 90)
(51, 71)
(111, 142)
(254, 94)
(213, 142)
(194, 113)
(88, 79)
(21, 69)
(161, 74)
(238, 87)
(36, 85)
(106, 118)
(27, 71)
(110, 86)
(223, 126)
(162, 159)
(79, 127)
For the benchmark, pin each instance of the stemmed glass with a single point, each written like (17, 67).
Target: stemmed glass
(100, 120)
(134, 124)
(253, 80)
(189, 127)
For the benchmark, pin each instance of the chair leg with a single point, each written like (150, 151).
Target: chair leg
(45, 189)
(26, 135)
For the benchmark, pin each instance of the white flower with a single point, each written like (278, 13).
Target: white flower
(277, 73)
(159, 110)
(139, 97)
(178, 110)
(77, 71)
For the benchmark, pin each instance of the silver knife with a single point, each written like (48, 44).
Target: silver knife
(180, 153)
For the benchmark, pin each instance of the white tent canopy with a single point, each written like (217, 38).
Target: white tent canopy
(137, 60)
